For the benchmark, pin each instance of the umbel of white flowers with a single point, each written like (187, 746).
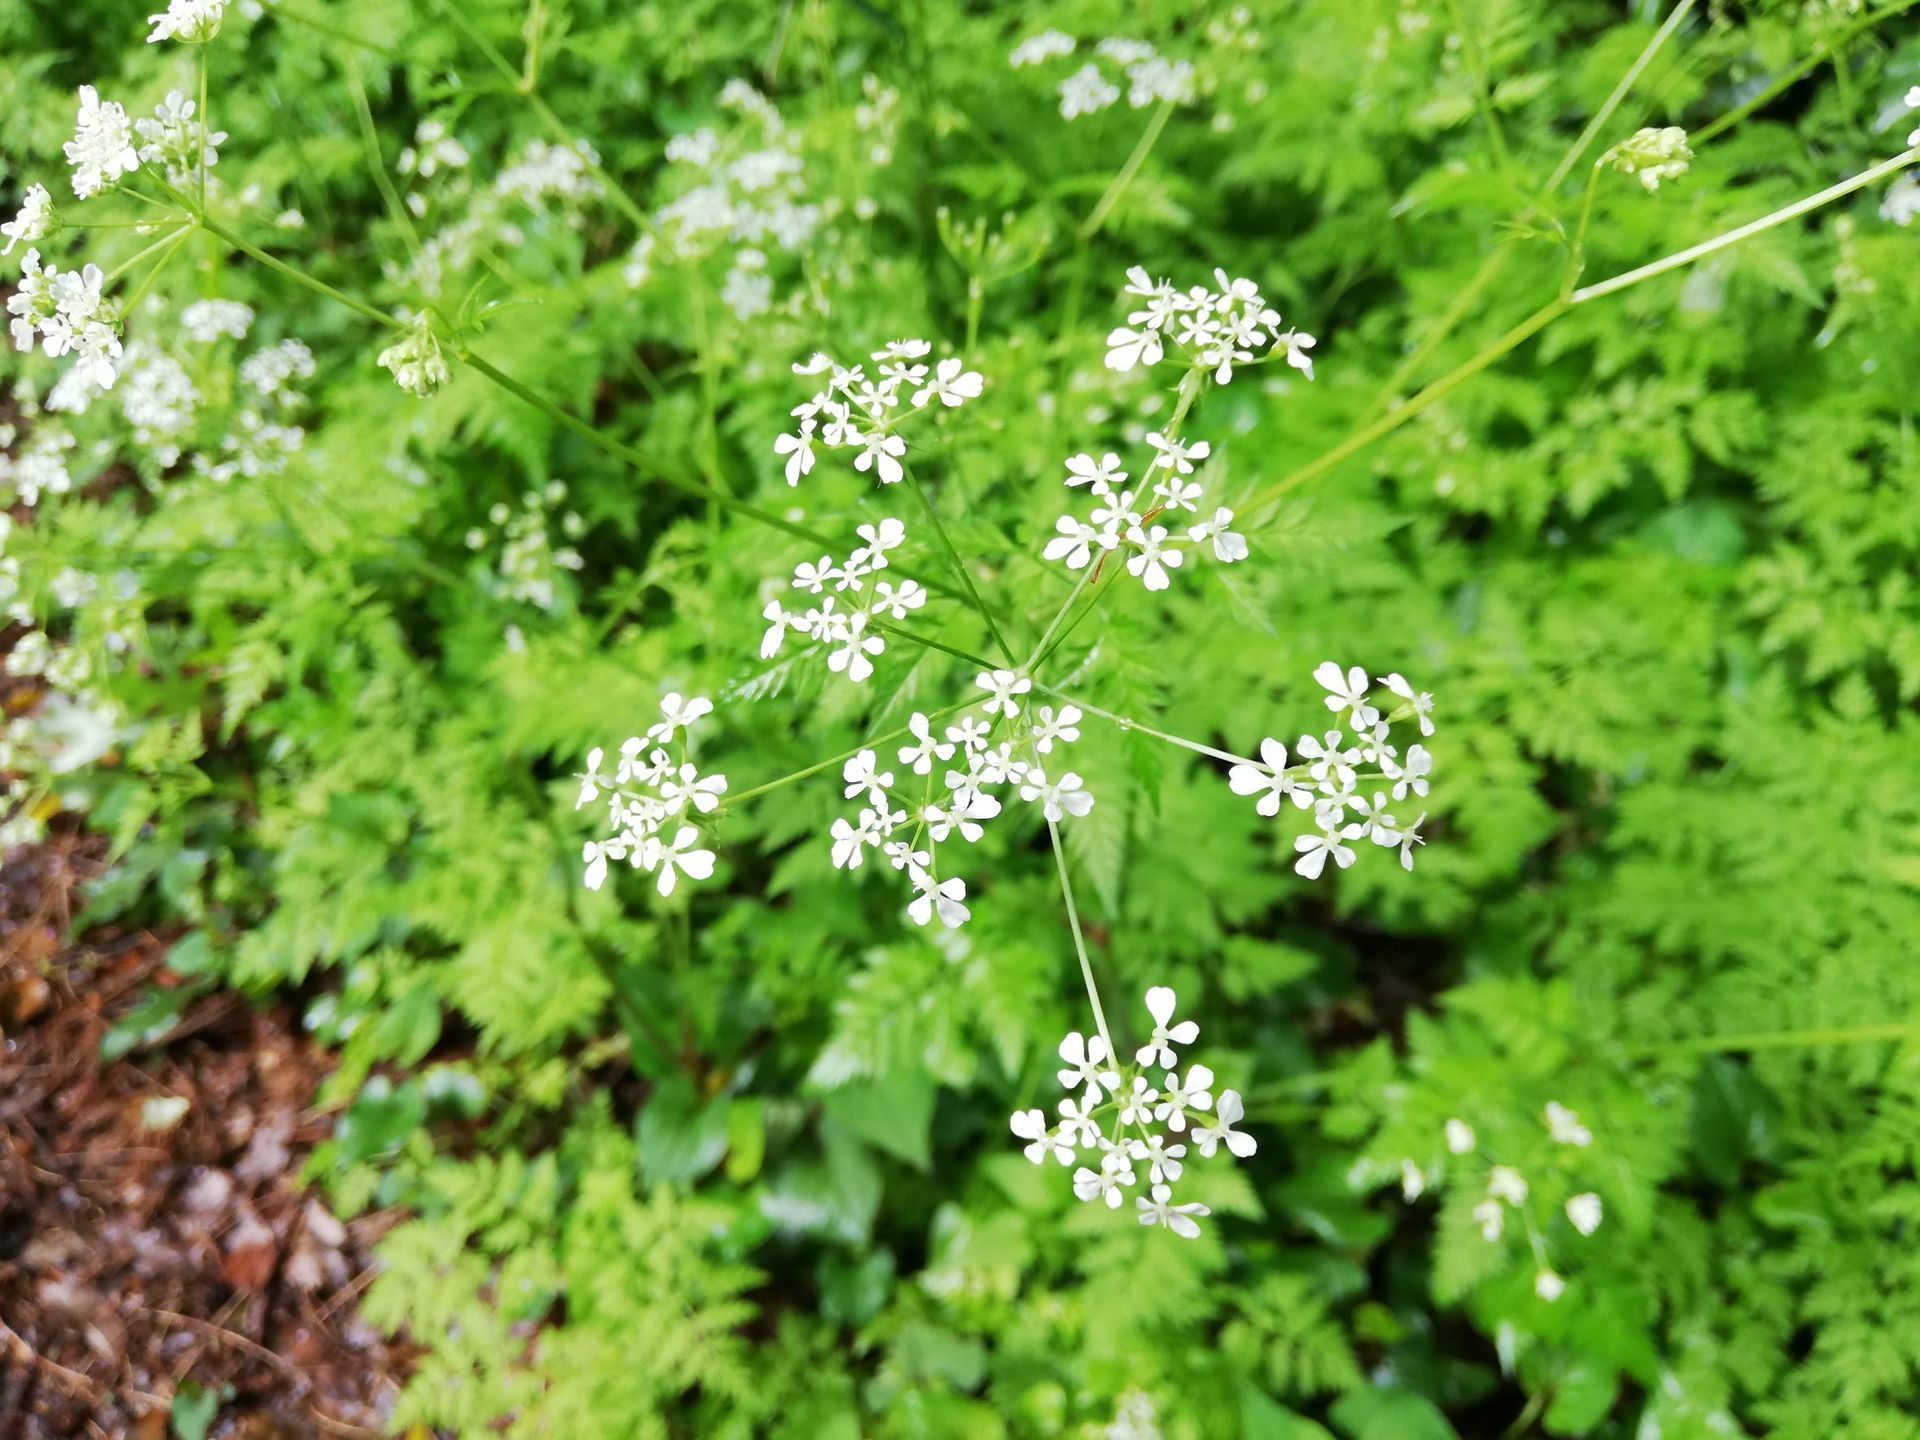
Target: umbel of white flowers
(1651, 155)
(1128, 1131)
(654, 786)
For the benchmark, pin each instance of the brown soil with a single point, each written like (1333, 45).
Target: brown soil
(150, 1251)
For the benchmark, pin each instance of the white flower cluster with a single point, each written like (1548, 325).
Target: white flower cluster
(1149, 76)
(844, 632)
(262, 437)
(1122, 517)
(857, 413)
(1325, 772)
(1003, 745)
(652, 787)
(40, 467)
(206, 321)
(69, 314)
(434, 149)
(159, 400)
(192, 22)
(176, 141)
(1651, 154)
(101, 152)
(1215, 329)
(34, 222)
(748, 187)
(1508, 1189)
(543, 171)
(530, 566)
(415, 360)
(1110, 1120)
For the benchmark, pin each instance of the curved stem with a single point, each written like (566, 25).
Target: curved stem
(959, 565)
(300, 277)
(1116, 187)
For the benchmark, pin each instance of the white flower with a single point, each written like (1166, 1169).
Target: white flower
(1491, 1216)
(191, 21)
(1128, 348)
(863, 777)
(1408, 837)
(676, 714)
(1177, 1218)
(1049, 727)
(1565, 1127)
(1227, 546)
(1348, 692)
(1074, 543)
(1413, 772)
(856, 646)
(1175, 456)
(778, 622)
(951, 385)
(883, 452)
(1077, 1121)
(1460, 1137)
(1002, 686)
(1297, 345)
(206, 321)
(1163, 1160)
(1585, 1211)
(942, 896)
(1314, 849)
(1269, 780)
(34, 222)
(1032, 1125)
(1181, 1096)
(1158, 1050)
(1060, 798)
(1090, 1184)
(1136, 1106)
(1086, 92)
(1508, 1184)
(1158, 78)
(101, 151)
(970, 734)
(896, 602)
(1228, 1112)
(799, 452)
(1102, 474)
(1037, 49)
(681, 856)
(1087, 1064)
(850, 842)
(1651, 155)
(1421, 702)
(1152, 561)
(925, 749)
(1547, 1285)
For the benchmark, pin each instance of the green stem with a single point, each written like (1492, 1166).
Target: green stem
(283, 11)
(206, 125)
(1079, 941)
(927, 641)
(376, 162)
(172, 237)
(840, 759)
(300, 277)
(1116, 187)
(1482, 87)
(959, 565)
(1040, 651)
(1751, 228)
(1619, 93)
(159, 267)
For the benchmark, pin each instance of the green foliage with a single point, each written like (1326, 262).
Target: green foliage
(736, 1162)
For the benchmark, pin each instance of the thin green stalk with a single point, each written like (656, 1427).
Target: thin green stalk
(1751, 228)
(376, 162)
(1116, 187)
(185, 234)
(928, 642)
(1040, 650)
(959, 565)
(300, 277)
(835, 760)
(1079, 940)
(1482, 87)
(283, 11)
(171, 238)
(206, 124)
(1394, 419)
(1127, 723)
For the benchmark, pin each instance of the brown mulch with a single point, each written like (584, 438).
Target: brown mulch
(149, 1250)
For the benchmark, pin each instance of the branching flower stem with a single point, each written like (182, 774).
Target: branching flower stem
(1079, 940)
(959, 565)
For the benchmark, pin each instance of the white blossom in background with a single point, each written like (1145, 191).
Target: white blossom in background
(860, 413)
(846, 601)
(1108, 1124)
(1324, 775)
(1125, 523)
(1086, 92)
(1213, 329)
(1651, 154)
(1564, 1126)
(206, 321)
(1585, 1212)
(655, 797)
(192, 22)
(415, 360)
(1038, 49)
(177, 142)
(1121, 66)
(530, 563)
(33, 223)
(101, 152)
